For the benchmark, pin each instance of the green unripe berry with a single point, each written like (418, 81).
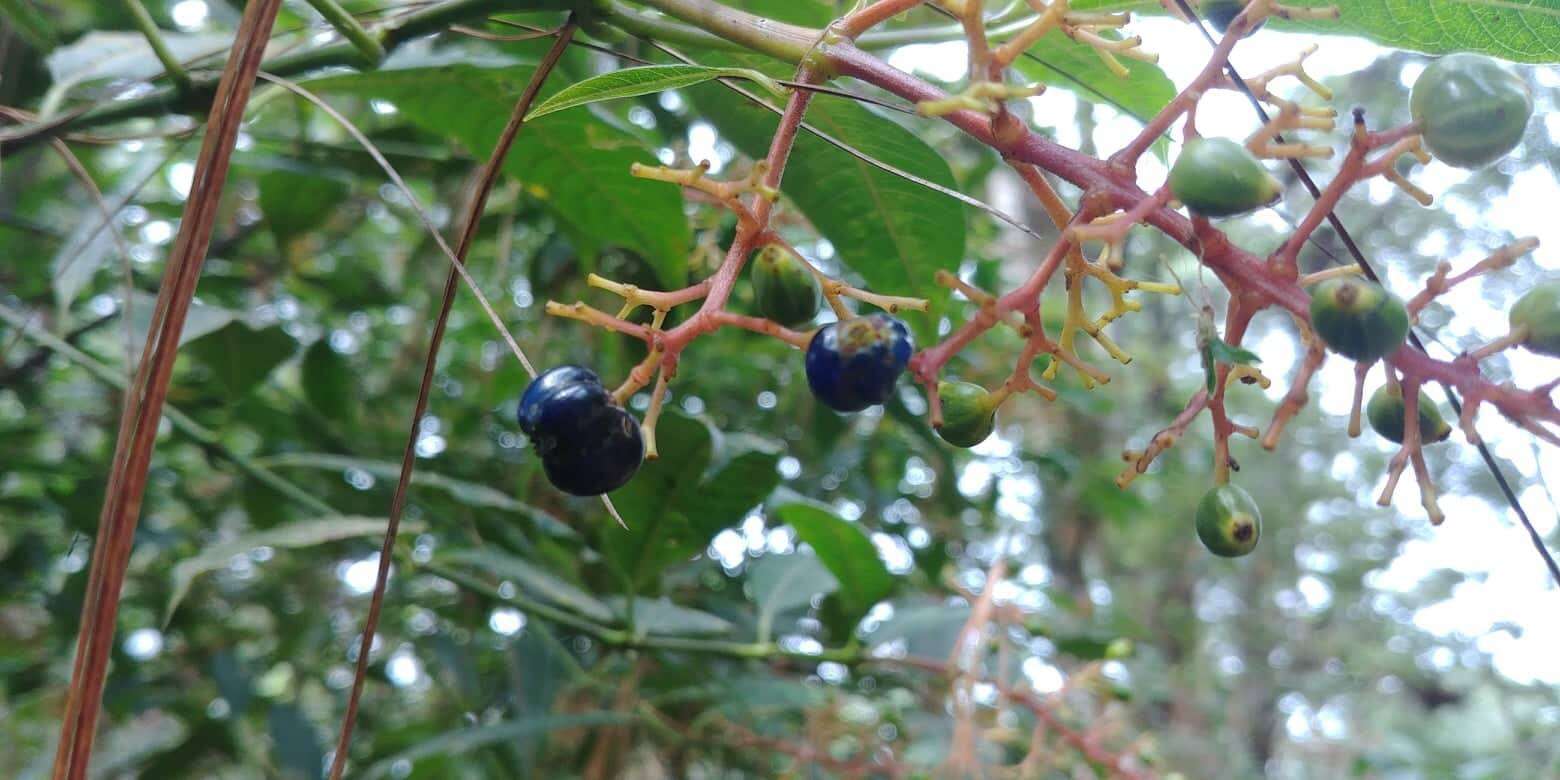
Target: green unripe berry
(1216, 177)
(1358, 318)
(1228, 521)
(1470, 110)
(969, 413)
(1537, 315)
(784, 289)
(1386, 412)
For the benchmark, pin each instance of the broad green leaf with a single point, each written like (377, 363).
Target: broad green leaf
(1521, 31)
(662, 617)
(91, 244)
(328, 382)
(845, 549)
(574, 163)
(295, 201)
(308, 533)
(294, 743)
(122, 749)
(674, 508)
(533, 580)
(468, 493)
(928, 630)
(1059, 61)
(892, 231)
(812, 13)
(631, 82)
(201, 320)
(1527, 31)
(461, 741)
(783, 582)
(237, 357)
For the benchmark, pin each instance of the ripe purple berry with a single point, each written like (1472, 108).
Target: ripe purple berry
(854, 364)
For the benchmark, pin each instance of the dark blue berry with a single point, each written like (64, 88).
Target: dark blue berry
(854, 364)
(588, 444)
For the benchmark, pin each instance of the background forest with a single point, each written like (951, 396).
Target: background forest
(526, 634)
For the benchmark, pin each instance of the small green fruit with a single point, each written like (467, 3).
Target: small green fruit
(784, 290)
(969, 413)
(1538, 313)
(1228, 521)
(1470, 110)
(1216, 177)
(1358, 319)
(1386, 411)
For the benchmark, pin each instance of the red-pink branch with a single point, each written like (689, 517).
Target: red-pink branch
(1239, 269)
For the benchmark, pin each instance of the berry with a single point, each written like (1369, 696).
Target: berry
(1216, 177)
(968, 413)
(1386, 412)
(1220, 13)
(1470, 110)
(1538, 313)
(1358, 318)
(588, 444)
(1228, 521)
(853, 364)
(784, 290)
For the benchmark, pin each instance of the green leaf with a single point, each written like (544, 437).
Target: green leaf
(662, 617)
(631, 82)
(928, 630)
(91, 243)
(1518, 31)
(299, 754)
(296, 201)
(126, 55)
(1059, 61)
(846, 550)
(308, 533)
(1521, 32)
(574, 163)
(674, 508)
(892, 231)
(328, 382)
(533, 580)
(469, 493)
(237, 357)
(461, 741)
(779, 583)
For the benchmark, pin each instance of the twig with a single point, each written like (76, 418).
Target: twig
(487, 177)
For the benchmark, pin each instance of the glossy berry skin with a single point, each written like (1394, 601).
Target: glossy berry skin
(968, 413)
(853, 364)
(784, 290)
(1537, 313)
(1358, 318)
(1228, 522)
(1216, 177)
(1386, 413)
(1470, 110)
(588, 444)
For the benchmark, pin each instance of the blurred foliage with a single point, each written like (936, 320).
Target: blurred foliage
(769, 517)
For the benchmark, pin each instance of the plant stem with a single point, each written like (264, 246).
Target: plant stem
(621, 639)
(788, 42)
(366, 43)
(487, 176)
(154, 38)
